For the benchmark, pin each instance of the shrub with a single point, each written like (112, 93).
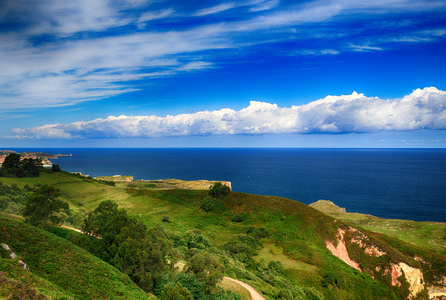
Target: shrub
(219, 190)
(207, 204)
(237, 218)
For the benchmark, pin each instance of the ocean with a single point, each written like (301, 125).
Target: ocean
(389, 183)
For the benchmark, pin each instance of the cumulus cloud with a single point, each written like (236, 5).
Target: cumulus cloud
(422, 109)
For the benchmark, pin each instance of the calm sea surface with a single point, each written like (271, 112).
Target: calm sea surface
(389, 183)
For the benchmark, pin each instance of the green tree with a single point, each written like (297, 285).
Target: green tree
(55, 168)
(219, 190)
(44, 205)
(176, 292)
(27, 167)
(12, 161)
(125, 243)
(207, 268)
(107, 222)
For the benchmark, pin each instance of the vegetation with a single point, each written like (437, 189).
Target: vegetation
(43, 205)
(58, 269)
(14, 165)
(219, 190)
(274, 244)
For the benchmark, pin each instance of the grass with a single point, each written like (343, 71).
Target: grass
(267, 254)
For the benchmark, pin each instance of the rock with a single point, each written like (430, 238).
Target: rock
(24, 266)
(13, 255)
(340, 251)
(6, 247)
(413, 276)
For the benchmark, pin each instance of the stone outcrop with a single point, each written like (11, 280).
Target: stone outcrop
(340, 251)
(12, 255)
(413, 276)
(364, 242)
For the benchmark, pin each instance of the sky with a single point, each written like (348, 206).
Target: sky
(248, 73)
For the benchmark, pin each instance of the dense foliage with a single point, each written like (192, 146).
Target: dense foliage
(219, 190)
(14, 165)
(13, 198)
(44, 205)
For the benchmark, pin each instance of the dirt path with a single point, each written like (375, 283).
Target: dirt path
(254, 294)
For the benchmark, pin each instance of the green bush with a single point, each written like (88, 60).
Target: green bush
(219, 190)
(237, 218)
(207, 204)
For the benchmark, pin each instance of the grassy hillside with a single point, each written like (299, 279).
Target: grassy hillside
(252, 232)
(58, 269)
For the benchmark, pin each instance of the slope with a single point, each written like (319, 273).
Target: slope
(58, 269)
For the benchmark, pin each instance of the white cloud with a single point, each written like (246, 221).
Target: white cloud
(316, 52)
(422, 109)
(215, 9)
(153, 15)
(265, 5)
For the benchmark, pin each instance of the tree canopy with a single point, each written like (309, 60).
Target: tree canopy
(219, 190)
(144, 255)
(43, 205)
(16, 166)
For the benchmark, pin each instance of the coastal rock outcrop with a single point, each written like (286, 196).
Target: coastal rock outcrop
(413, 276)
(340, 251)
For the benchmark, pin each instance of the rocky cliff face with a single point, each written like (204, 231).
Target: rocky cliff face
(413, 276)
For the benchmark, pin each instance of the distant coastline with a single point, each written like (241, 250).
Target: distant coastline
(44, 157)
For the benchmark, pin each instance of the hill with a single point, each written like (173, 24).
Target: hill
(283, 248)
(57, 268)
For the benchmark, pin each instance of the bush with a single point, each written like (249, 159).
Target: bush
(237, 218)
(207, 204)
(219, 190)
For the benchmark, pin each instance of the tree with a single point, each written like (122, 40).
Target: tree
(12, 161)
(176, 292)
(207, 269)
(127, 244)
(44, 205)
(31, 166)
(55, 168)
(219, 190)
(27, 167)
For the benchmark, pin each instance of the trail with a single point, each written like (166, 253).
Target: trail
(254, 294)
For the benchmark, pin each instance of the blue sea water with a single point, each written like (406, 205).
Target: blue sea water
(389, 183)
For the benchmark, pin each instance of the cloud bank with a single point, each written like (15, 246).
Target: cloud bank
(422, 109)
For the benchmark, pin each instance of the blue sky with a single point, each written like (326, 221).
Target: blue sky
(253, 73)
